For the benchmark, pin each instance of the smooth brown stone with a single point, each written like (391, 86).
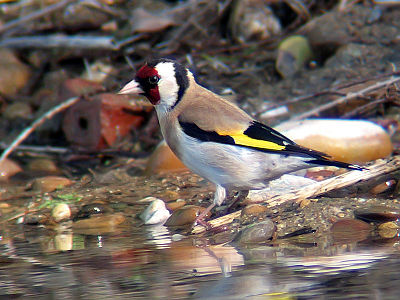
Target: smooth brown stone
(50, 183)
(43, 165)
(377, 214)
(384, 187)
(174, 205)
(350, 230)
(14, 75)
(163, 160)
(184, 216)
(8, 168)
(99, 221)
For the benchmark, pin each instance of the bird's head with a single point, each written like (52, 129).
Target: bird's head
(162, 81)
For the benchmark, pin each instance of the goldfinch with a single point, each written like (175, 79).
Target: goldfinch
(213, 137)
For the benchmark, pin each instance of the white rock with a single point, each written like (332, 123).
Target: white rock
(61, 212)
(155, 213)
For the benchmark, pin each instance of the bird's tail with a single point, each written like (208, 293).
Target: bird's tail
(335, 163)
(320, 158)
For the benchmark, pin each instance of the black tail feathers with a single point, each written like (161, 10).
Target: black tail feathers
(339, 164)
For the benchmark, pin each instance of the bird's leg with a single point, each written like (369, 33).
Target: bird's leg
(236, 199)
(219, 196)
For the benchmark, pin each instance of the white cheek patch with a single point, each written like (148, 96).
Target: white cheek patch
(167, 86)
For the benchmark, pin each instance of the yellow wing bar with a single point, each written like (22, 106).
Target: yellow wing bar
(244, 140)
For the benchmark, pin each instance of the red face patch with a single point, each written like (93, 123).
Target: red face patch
(146, 71)
(145, 77)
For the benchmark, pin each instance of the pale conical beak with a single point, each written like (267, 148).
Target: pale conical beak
(131, 88)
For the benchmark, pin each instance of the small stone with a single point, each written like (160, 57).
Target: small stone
(18, 110)
(304, 203)
(42, 165)
(293, 54)
(100, 221)
(8, 168)
(377, 214)
(252, 213)
(155, 213)
(350, 230)
(174, 205)
(163, 160)
(61, 212)
(185, 215)
(146, 22)
(384, 187)
(253, 20)
(14, 75)
(256, 233)
(388, 230)
(50, 183)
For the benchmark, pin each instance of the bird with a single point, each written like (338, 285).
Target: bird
(215, 138)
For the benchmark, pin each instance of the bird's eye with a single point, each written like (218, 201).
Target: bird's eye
(154, 79)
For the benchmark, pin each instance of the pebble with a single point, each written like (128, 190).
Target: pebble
(61, 212)
(256, 233)
(350, 230)
(42, 165)
(253, 20)
(14, 75)
(377, 214)
(252, 213)
(100, 221)
(185, 215)
(163, 160)
(293, 54)
(146, 22)
(384, 187)
(174, 205)
(388, 230)
(50, 183)
(155, 213)
(18, 110)
(351, 141)
(8, 168)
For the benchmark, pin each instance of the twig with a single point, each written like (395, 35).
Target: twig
(348, 97)
(381, 167)
(24, 134)
(39, 149)
(61, 41)
(35, 15)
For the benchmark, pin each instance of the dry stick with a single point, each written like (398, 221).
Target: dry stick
(35, 15)
(61, 41)
(379, 168)
(24, 134)
(349, 96)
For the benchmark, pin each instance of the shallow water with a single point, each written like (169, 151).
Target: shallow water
(155, 263)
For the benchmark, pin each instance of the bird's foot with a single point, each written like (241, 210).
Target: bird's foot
(200, 220)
